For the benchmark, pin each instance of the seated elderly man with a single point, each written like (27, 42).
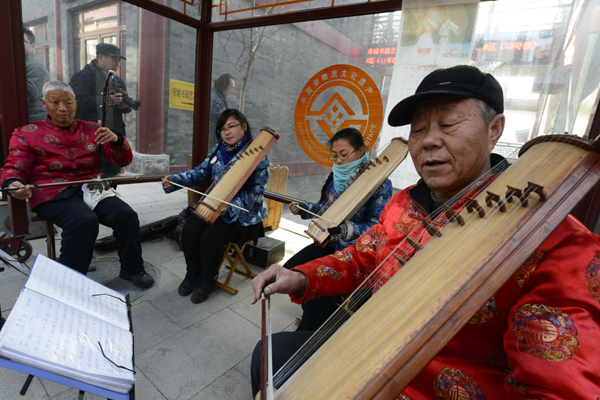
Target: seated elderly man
(456, 119)
(62, 149)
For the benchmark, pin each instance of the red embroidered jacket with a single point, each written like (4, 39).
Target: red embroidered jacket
(42, 152)
(538, 336)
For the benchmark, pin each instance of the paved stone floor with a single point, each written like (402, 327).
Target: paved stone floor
(182, 350)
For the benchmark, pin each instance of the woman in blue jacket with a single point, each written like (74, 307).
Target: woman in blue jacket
(348, 152)
(203, 245)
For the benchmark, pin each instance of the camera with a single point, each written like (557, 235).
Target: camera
(118, 88)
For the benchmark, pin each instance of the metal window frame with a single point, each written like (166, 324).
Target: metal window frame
(13, 92)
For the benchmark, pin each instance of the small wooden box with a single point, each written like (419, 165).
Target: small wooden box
(266, 252)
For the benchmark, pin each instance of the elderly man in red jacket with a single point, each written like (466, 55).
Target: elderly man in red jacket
(538, 335)
(63, 149)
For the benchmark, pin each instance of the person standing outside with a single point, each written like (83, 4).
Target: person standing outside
(223, 87)
(37, 75)
(88, 85)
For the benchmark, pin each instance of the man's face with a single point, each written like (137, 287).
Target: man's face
(450, 144)
(61, 107)
(29, 46)
(229, 88)
(108, 63)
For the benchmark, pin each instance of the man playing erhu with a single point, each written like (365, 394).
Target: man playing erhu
(64, 149)
(538, 335)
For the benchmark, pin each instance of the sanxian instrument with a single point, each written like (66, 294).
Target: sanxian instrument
(359, 191)
(243, 166)
(395, 334)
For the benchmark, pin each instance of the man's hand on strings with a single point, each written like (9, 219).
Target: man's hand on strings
(277, 279)
(166, 182)
(224, 211)
(24, 191)
(105, 135)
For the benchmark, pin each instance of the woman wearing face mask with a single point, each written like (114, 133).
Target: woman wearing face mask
(203, 245)
(348, 153)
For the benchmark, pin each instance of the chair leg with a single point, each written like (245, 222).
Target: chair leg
(246, 271)
(50, 240)
(239, 256)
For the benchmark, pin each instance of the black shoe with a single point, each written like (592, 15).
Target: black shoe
(187, 286)
(141, 280)
(204, 289)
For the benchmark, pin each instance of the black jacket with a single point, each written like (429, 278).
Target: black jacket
(88, 85)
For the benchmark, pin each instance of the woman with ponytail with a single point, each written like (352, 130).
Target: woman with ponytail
(348, 153)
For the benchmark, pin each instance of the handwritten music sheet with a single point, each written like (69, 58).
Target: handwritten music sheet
(48, 334)
(68, 286)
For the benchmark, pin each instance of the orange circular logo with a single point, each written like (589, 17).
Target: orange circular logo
(337, 97)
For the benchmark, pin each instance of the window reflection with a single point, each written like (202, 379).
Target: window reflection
(156, 51)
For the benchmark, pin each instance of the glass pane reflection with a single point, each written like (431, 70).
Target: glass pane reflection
(156, 51)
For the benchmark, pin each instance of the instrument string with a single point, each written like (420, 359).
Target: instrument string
(207, 195)
(358, 171)
(479, 223)
(388, 264)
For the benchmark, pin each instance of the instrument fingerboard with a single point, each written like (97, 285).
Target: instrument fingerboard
(244, 165)
(359, 191)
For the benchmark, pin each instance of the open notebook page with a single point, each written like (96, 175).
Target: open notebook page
(70, 287)
(48, 334)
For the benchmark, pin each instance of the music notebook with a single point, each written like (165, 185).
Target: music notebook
(63, 322)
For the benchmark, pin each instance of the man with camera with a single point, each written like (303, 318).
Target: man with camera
(88, 85)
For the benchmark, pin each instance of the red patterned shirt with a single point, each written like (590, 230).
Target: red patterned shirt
(42, 152)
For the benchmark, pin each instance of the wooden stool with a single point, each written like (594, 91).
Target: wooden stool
(50, 240)
(239, 257)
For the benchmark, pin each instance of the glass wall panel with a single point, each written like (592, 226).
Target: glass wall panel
(227, 10)
(543, 53)
(155, 77)
(308, 80)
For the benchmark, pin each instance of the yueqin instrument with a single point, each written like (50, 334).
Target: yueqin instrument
(244, 165)
(359, 191)
(395, 334)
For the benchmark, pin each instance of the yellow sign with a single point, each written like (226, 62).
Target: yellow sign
(181, 95)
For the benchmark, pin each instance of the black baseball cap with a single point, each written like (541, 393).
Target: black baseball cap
(460, 81)
(109, 50)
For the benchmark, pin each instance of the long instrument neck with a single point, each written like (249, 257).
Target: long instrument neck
(422, 306)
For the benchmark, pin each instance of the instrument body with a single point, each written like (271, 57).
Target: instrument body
(445, 283)
(209, 209)
(359, 192)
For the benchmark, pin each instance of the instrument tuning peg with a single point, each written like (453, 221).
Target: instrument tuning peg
(401, 260)
(453, 215)
(414, 243)
(512, 191)
(491, 198)
(474, 205)
(535, 188)
(430, 228)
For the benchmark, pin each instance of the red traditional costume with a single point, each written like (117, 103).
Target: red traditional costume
(538, 336)
(42, 152)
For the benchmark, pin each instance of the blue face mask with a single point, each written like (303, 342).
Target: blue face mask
(342, 173)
